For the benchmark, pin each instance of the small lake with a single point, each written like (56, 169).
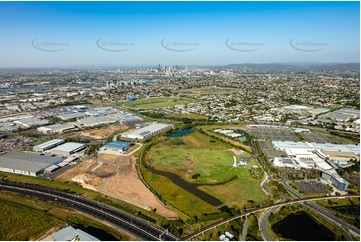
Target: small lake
(301, 226)
(181, 132)
(97, 233)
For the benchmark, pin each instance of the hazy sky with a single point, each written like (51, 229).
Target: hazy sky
(60, 34)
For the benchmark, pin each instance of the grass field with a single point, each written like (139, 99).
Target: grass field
(21, 223)
(192, 154)
(153, 103)
(187, 204)
(212, 160)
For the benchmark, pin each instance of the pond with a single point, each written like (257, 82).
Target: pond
(181, 132)
(295, 225)
(97, 233)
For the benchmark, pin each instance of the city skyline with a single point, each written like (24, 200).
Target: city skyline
(80, 34)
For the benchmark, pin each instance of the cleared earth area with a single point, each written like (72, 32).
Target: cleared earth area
(116, 176)
(102, 133)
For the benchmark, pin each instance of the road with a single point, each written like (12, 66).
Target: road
(127, 222)
(242, 237)
(301, 200)
(264, 218)
(326, 213)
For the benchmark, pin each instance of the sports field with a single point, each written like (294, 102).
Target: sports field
(153, 103)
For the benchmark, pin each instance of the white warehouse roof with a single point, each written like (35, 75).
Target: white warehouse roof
(48, 145)
(148, 131)
(68, 148)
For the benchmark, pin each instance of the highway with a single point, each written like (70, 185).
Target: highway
(133, 225)
(301, 200)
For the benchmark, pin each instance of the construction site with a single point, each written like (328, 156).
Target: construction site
(116, 176)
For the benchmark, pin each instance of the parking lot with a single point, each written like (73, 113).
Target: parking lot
(269, 151)
(274, 134)
(312, 187)
(321, 138)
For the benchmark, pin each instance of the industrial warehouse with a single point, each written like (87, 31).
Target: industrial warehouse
(48, 145)
(117, 146)
(28, 163)
(147, 131)
(68, 148)
(55, 128)
(96, 121)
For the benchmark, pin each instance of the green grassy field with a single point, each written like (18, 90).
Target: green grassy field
(63, 215)
(152, 103)
(212, 159)
(192, 154)
(21, 223)
(187, 204)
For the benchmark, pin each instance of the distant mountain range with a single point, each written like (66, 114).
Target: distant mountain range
(296, 66)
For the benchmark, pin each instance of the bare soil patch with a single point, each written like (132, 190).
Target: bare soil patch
(103, 133)
(116, 176)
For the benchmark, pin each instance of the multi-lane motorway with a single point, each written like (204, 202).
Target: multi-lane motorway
(133, 225)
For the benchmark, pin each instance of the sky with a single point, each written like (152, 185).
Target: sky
(90, 34)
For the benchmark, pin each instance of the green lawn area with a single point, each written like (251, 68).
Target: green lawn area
(153, 103)
(192, 154)
(212, 160)
(21, 223)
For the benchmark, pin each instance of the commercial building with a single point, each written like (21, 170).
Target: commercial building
(71, 234)
(96, 121)
(69, 116)
(27, 163)
(31, 122)
(117, 146)
(55, 128)
(148, 131)
(48, 145)
(333, 177)
(68, 148)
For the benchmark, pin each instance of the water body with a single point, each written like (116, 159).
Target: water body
(190, 187)
(97, 233)
(301, 226)
(181, 132)
(43, 88)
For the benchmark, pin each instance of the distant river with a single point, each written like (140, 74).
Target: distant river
(43, 88)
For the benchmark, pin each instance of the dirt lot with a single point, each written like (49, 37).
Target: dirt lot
(102, 133)
(116, 176)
